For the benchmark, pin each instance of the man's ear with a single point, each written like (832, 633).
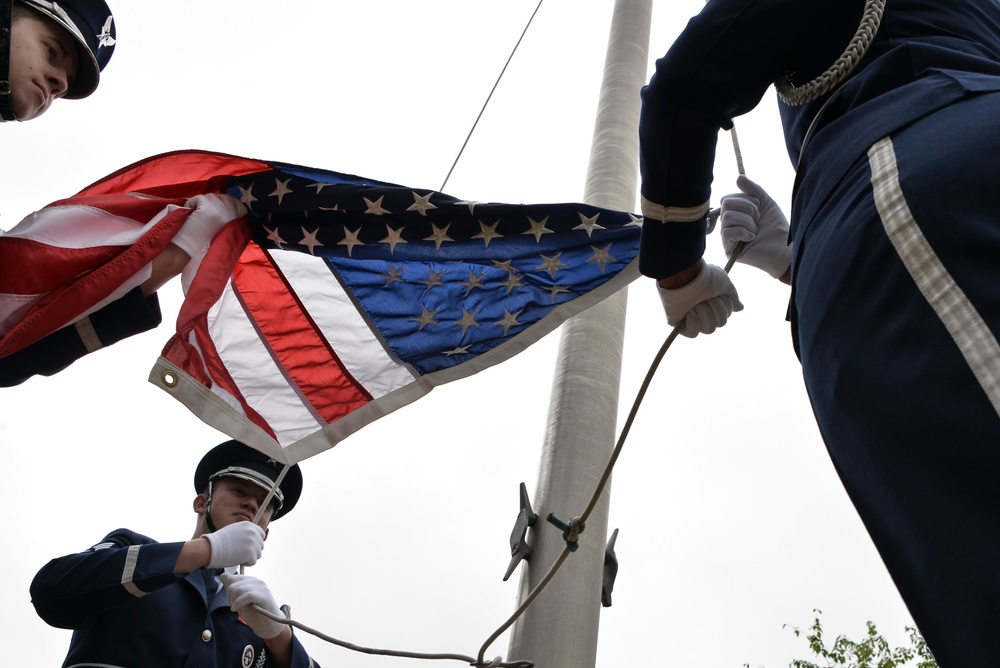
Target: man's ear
(199, 503)
(267, 530)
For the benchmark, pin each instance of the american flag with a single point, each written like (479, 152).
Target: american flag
(346, 298)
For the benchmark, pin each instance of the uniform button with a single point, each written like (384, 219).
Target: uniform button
(206, 635)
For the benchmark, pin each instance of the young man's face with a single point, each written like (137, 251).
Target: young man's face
(43, 63)
(237, 500)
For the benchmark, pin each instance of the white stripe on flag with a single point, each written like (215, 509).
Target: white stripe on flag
(358, 347)
(83, 227)
(260, 380)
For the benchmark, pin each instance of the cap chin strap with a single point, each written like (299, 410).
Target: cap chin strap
(6, 14)
(208, 505)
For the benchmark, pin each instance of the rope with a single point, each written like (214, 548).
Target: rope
(267, 500)
(571, 531)
(495, 663)
(577, 524)
(575, 528)
(737, 151)
(270, 494)
(490, 96)
(798, 95)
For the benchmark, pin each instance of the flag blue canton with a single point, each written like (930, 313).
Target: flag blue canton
(439, 280)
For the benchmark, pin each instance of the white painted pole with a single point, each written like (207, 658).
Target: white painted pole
(559, 629)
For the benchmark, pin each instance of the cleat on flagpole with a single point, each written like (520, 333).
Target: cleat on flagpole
(610, 570)
(519, 548)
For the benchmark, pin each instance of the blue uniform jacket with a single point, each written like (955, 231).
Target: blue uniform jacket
(926, 55)
(133, 314)
(128, 609)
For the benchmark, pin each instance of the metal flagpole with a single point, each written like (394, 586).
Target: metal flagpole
(559, 630)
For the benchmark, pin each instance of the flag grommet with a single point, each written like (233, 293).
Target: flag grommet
(168, 378)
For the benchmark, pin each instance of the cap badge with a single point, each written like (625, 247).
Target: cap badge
(105, 38)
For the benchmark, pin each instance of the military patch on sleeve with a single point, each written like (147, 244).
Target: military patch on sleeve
(247, 656)
(101, 546)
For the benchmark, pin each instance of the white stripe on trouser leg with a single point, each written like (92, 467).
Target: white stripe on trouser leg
(970, 333)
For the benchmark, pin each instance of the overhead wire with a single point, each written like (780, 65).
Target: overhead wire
(490, 96)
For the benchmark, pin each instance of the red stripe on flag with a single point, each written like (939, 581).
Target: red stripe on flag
(188, 359)
(177, 174)
(294, 338)
(67, 302)
(221, 376)
(205, 290)
(136, 207)
(34, 267)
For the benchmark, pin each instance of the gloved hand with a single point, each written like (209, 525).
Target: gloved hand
(703, 305)
(240, 543)
(211, 213)
(242, 591)
(752, 216)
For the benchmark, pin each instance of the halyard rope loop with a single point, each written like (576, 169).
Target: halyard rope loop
(576, 527)
(602, 483)
(581, 520)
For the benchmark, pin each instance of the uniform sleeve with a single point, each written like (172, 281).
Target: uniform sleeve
(719, 68)
(300, 658)
(68, 591)
(133, 314)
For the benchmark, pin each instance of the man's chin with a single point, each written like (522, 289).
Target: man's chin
(27, 113)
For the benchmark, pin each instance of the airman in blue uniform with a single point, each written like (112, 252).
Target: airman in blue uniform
(57, 50)
(133, 602)
(895, 238)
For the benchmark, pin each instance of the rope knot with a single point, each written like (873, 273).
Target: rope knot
(571, 530)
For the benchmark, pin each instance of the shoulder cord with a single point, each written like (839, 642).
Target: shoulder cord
(798, 95)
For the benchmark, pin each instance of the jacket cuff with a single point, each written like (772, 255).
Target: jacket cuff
(665, 248)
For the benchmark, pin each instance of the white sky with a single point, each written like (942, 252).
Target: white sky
(732, 521)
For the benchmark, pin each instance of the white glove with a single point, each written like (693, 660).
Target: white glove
(240, 543)
(703, 305)
(211, 213)
(755, 218)
(242, 591)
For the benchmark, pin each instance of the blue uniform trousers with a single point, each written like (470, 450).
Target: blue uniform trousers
(896, 309)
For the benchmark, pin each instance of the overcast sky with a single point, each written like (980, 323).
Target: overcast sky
(732, 521)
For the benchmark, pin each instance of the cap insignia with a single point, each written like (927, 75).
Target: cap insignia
(105, 38)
